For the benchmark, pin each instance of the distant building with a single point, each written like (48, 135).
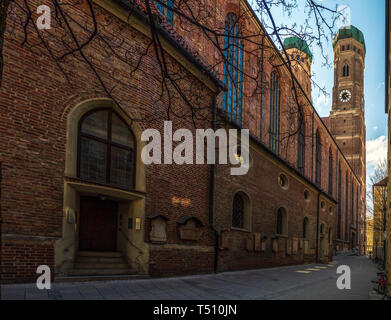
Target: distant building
(369, 232)
(379, 207)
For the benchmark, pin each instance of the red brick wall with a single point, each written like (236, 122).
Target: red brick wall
(35, 100)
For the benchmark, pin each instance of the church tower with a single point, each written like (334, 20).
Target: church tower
(300, 57)
(347, 125)
(347, 117)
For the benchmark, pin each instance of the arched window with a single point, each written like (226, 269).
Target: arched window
(106, 149)
(322, 229)
(330, 171)
(233, 69)
(305, 228)
(165, 11)
(301, 145)
(345, 70)
(318, 167)
(282, 227)
(274, 140)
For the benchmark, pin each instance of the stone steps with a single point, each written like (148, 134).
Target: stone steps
(100, 278)
(100, 264)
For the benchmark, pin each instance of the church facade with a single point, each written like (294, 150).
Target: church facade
(76, 196)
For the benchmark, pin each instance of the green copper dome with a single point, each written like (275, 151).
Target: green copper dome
(297, 43)
(349, 32)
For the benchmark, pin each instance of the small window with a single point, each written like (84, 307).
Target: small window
(348, 47)
(323, 205)
(282, 228)
(359, 51)
(307, 196)
(322, 229)
(283, 181)
(343, 48)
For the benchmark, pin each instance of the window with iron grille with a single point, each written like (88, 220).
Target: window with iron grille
(233, 69)
(274, 140)
(318, 167)
(238, 212)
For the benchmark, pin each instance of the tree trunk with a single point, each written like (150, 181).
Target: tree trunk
(3, 15)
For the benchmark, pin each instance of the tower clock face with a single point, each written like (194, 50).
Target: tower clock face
(345, 96)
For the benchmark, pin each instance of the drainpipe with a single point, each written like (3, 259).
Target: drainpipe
(212, 193)
(317, 229)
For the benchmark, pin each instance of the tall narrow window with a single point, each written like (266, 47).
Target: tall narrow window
(346, 207)
(330, 171)
(352, 202)
(238, 212)
(282, 228)
(345, 70)
(165, 11)
(233, 69)
(106, 149)
(301, 145)
(274, 131)
(318, 166)
(339, 229)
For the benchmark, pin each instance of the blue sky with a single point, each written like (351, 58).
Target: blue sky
(369, 17)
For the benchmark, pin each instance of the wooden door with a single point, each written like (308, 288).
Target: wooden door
(98, 224)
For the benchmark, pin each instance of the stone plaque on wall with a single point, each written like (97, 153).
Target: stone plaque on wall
(301, 243)
(224, 240)
(275, 245)
(282, 245)
(295, 245)
(158, 232)
(257, 242)
(263, 245)
(190, 228)
(306, 247)
(250, 244)
(288, 247)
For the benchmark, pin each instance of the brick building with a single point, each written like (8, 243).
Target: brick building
(64, 204)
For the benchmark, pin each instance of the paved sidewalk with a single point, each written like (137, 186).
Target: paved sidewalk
(314, 281)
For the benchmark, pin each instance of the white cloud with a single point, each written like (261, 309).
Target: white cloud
(381, 84)
(322, 102)
(375, 128)
(345, 18)
(376, 150)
